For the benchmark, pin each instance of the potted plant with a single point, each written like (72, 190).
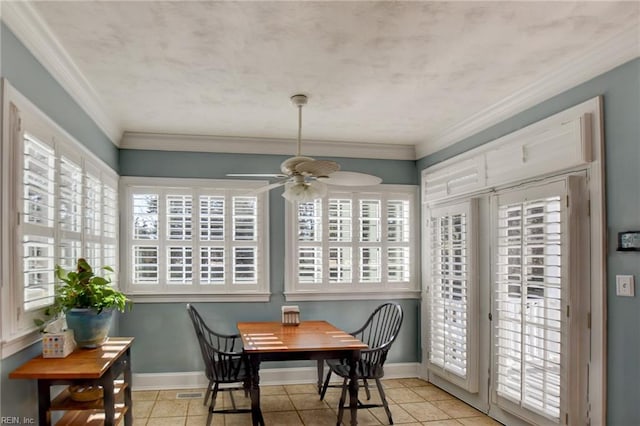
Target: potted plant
(88, 302)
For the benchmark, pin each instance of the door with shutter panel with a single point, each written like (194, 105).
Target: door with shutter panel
(538, 358)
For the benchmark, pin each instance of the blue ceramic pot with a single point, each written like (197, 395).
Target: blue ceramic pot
(90, 329)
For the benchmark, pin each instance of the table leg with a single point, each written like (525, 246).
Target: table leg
(128, 416)
(353, 387)
(320, 375)
(106, 381)
(44, 402)
(256, 413)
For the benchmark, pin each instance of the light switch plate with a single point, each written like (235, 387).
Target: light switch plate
(625, 285)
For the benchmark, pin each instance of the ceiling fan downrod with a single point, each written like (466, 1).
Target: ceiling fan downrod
(299, 101)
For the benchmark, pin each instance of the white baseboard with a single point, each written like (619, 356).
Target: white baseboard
(268, 376)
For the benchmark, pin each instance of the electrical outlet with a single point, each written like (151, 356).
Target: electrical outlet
(625, 285)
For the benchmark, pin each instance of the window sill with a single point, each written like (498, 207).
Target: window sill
(302, 296)
(199, 297)
(18, 343)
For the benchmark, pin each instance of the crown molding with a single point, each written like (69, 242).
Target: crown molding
(25, 22)
(603, 57)
(241, 145)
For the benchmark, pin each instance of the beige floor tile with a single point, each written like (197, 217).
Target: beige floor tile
(424, 411)
(142, 409)
(413, 382)
(479, 421)
(308, 401)
(365, 418)
(298, 389)
(456, 408)
(275, 403)
(432, 393)
(240, 399)
(272, 390)
(195, 407)
(283, 418)
(450, 422)
(323, 417)
(402, 395)
(166, 421)
(144, 395)
(169, 408)
(392, 383)
(399, 415)
(239, 419)
(140, 422)
(217, 420)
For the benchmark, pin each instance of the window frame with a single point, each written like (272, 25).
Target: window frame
(20, 116)
(165, 292)
(355, 290)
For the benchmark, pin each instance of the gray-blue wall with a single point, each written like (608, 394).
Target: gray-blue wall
(621, 91)
(159, 325)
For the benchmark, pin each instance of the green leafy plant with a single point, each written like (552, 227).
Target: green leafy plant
(83, 289)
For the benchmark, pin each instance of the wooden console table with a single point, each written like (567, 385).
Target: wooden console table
(101, 366)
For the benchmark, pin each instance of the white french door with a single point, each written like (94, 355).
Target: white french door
(538, 296)
(507, 297)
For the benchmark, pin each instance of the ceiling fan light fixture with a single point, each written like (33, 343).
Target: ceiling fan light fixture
(304, 191)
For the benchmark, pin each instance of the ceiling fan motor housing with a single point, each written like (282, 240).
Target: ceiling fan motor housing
(288, 166)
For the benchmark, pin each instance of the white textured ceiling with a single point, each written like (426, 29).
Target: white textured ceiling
(383, 72)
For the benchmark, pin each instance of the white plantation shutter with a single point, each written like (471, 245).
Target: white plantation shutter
(309, 255)
(451, 294)
(350, 241)
(209, 240)
(245, 232)
(531, 288)
(38, 223)
(145, 268)
(70, 210)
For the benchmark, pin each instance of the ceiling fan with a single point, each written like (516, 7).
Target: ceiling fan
(305, 178)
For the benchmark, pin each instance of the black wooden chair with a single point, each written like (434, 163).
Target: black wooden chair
(379, 333)
(224, 363)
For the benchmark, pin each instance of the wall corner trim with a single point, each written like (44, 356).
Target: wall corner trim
(27, 25)
(602, 57)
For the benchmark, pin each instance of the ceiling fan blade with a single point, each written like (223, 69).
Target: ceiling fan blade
(267, 188)
(351, 179)
(317, 168)
(265, 175)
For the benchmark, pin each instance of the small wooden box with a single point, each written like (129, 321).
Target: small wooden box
(58, 345)
(290, 315)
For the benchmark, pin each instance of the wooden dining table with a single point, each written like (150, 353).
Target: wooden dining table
(310, 340)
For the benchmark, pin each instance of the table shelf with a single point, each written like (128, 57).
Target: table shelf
(64, 402)
(90, 417)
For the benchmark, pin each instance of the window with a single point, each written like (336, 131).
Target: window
(353, 244)
(58, 205)
(195, 236)
(452, 300)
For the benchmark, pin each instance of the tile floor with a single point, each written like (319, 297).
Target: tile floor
(412, 402)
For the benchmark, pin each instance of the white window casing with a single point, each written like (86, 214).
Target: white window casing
(194, 238)
(452, 298)
(353, 244)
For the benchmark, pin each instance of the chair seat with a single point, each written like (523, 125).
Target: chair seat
(364, 369)
(230, 370)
